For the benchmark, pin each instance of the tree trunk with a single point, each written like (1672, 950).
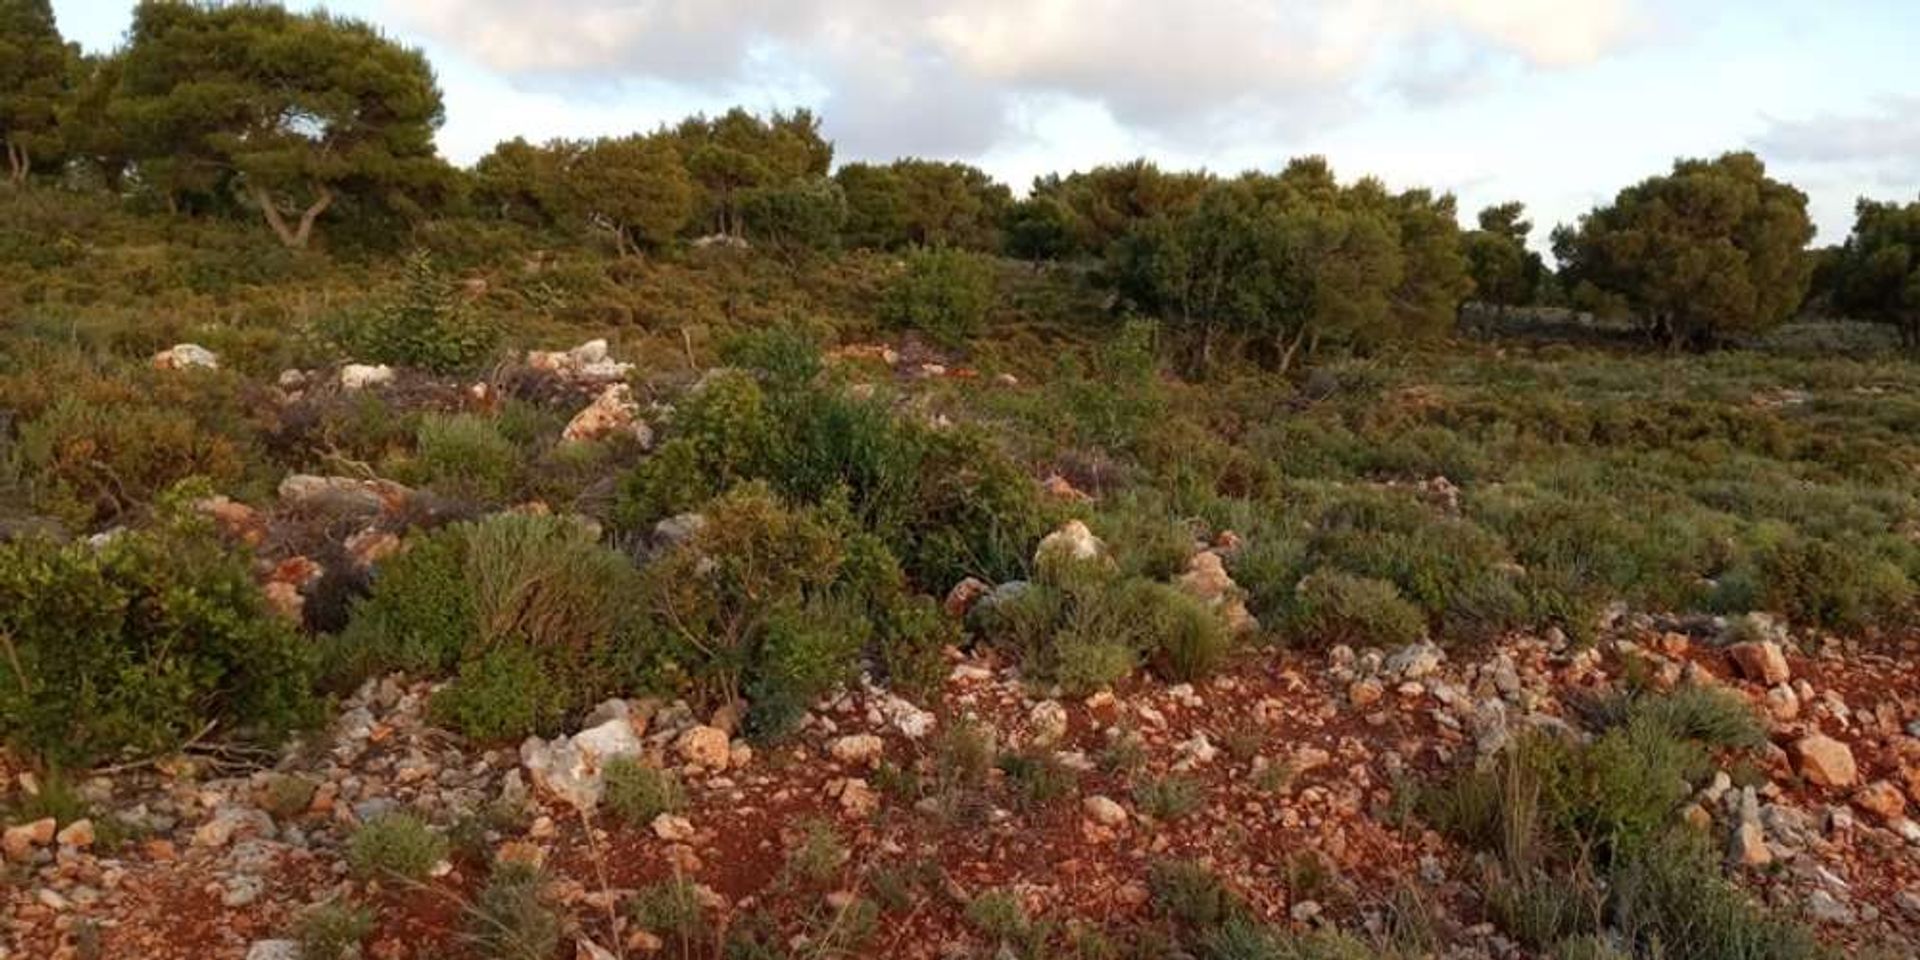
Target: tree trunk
(295, 237)
(19, 164)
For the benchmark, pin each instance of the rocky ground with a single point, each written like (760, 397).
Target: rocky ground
(1287, 775)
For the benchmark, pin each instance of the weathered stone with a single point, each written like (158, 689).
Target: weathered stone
(274, 950)
(572, 769)
(360, 376)
(1761, 661)
(19, 841)
(612, 413)
(1882, 799)
(1104, 811)
(1750, 845)
(588, 363)
(79, 833)
(1072, 542)
(1365, 693)
(860, 749)
(1415, 660)
(704, 746)
(1047, 722)
(964, 595)
(1825, 761)
(672, 828)
(186, 356)
(1207, 580)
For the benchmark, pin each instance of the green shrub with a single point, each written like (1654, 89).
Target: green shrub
(423, 321)
(1037, 775)
(944, 293)
(802, 654)
(637, 793)
(1817, 581)
(1333, 607)
(141, 644)
(420, 617)
(398, 845)
(1675, 902)
(1170, 797)
(998, 916)
(510, 918)
(1190, 894)
(333, 931)
(90, 462)
(465, 456)
(503, 693)
(670, 909)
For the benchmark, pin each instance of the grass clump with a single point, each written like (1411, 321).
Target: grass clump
(333, 931)
(1333, 607)
(670, 909)
(1168, 798)
(464, 456)
(637, 792)
(395, 845)
(510, 918)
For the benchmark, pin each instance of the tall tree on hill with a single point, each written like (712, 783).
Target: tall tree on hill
(33, 80)
(736, 152)
(634, 187)
(293, 111)
(1876, 274)
(1505, 273)
(1714, 250)
(88, 130)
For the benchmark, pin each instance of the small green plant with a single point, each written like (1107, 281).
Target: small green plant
(999, 916)
(1037, 776)
(1190, 894)
(1334, 607)
(1168, 798)
(422, 321)
(1125, 753)
(819, 855)
(637, 792)
(510, 919)
(672, 910)
(333, 930)
(395, 845)
(287, 795)
(465, 456)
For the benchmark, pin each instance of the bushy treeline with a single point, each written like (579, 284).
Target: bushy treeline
(314, 123)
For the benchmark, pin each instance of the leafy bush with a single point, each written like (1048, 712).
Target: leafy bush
(530, 612)
(1334, 607)
(637, 793)
(395, 845)
(333, 931)
(944, 293)
(424, 322)
(672, 909)
(140, 644)
(94, 461)
(465, 456)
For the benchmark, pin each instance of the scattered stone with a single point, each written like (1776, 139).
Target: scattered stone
(612, 413)
(186, 356)
(1073, 541)
(361, 376)
(860, 749)
(1048, 722)
(274, 950)
(1104, 811)
(673, 828)
(1761, 662)
(1415, 661)
(1883, 800)
(1825, 908)
(1750, 845)
(79, 833)
(1365, 693)
(20, 841)
(857, 798)
(704, 746)
(586, 363)
(964, 595)
(572, 768)
(1207, 580)
(1825, 761)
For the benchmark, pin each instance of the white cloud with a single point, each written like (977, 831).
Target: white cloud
(943, 76)
(1886, 139)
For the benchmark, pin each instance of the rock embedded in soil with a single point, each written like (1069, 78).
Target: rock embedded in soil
(1761, 662)
(1824, 761)
(1104, 811)
(706, 747)
(860, 749)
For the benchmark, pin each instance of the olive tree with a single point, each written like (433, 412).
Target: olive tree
(1713, 250)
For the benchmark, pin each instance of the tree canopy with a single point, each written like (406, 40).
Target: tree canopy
(33, 79)
(1505, 273)
(1876, 274)
(1713, 250)
(291, 110)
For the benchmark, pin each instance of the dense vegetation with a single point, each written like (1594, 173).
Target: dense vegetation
(1278, 355)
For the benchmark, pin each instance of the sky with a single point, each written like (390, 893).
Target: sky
(1556, 103)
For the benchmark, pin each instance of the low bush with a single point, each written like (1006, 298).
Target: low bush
(423, 320)
(944, 293)
(333, 931)
(1333, 607)
(510, 918)
(465, 457)
(395, 845)
(154, 637)
(637, 793)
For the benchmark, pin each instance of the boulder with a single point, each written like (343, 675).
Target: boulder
(586, 363)
(1415, 660)
(612, 414)
(1761, 661)
(341, 494)
(1883, 800)
(360, 376)
(186, 356)
(1048, 722)
(1824, 761)
(573, 769)
(20, 841)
